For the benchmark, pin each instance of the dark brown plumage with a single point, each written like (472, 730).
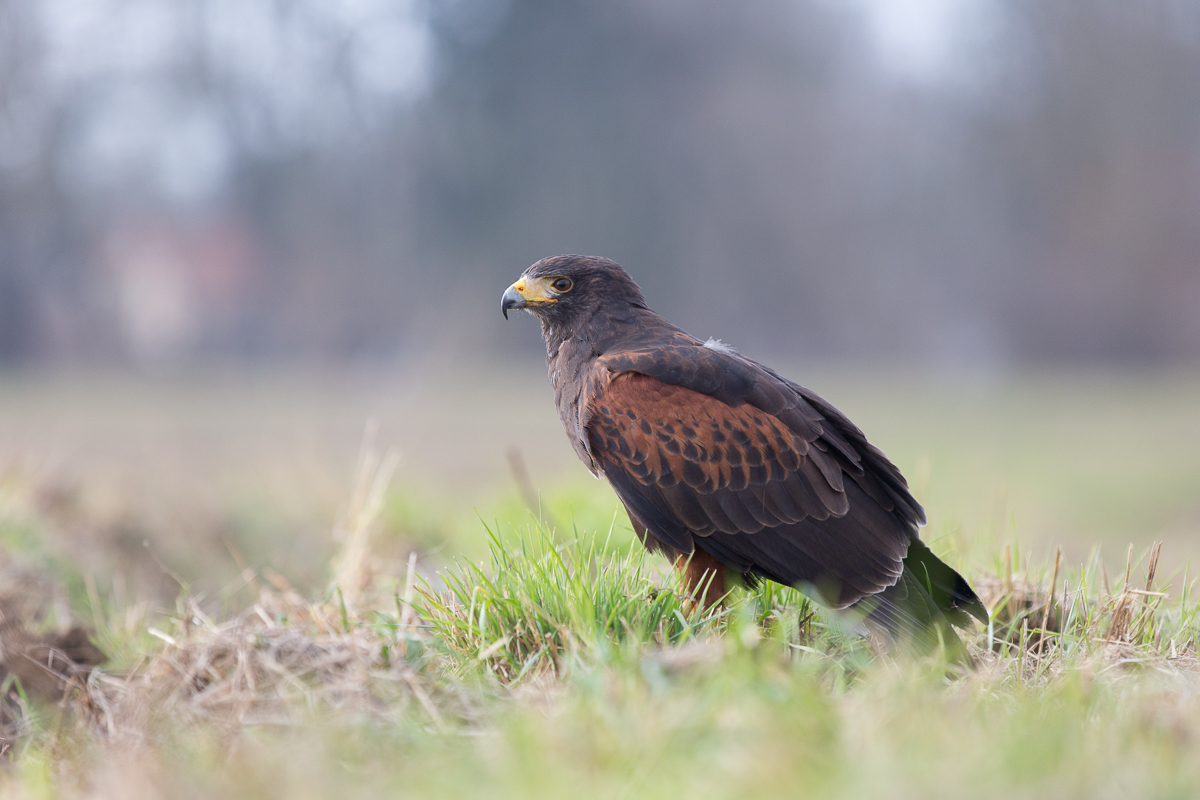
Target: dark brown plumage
(723, 464)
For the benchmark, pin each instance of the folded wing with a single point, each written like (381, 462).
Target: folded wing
(749, 469)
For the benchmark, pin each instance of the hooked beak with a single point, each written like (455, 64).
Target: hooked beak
(526, 292)
(511, 299)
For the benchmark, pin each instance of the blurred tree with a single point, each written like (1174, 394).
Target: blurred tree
(967, 182)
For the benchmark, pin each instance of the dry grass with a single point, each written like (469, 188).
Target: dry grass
(566, 666)
(541, 612)
(280, 661)
(274, 664)
(288, 664)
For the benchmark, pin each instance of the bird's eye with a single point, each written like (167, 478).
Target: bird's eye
(561, 285)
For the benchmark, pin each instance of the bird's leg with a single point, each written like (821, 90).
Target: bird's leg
(703, 578)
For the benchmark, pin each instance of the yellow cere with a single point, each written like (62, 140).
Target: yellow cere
(535, 290)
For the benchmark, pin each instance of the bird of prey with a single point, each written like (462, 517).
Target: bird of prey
(724, 465)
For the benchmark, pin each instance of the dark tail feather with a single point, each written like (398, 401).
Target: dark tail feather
(948, 590)
(927, 600)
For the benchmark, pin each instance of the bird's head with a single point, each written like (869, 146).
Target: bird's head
(564, 292)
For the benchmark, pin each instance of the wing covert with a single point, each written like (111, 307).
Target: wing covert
(717, 467)
(760, 495)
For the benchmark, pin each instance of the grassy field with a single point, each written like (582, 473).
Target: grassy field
(289, 613)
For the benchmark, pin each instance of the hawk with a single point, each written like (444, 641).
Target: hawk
(727, 467)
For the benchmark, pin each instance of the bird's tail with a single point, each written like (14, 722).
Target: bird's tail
(925, 605)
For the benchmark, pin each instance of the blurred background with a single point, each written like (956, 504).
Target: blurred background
(233, 231)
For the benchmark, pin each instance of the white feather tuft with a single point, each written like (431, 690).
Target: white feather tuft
(719, 346)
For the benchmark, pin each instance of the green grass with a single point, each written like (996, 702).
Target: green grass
(543, 603)
(559, 660)
(640, 698)
(548, 606)
(560, 667)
